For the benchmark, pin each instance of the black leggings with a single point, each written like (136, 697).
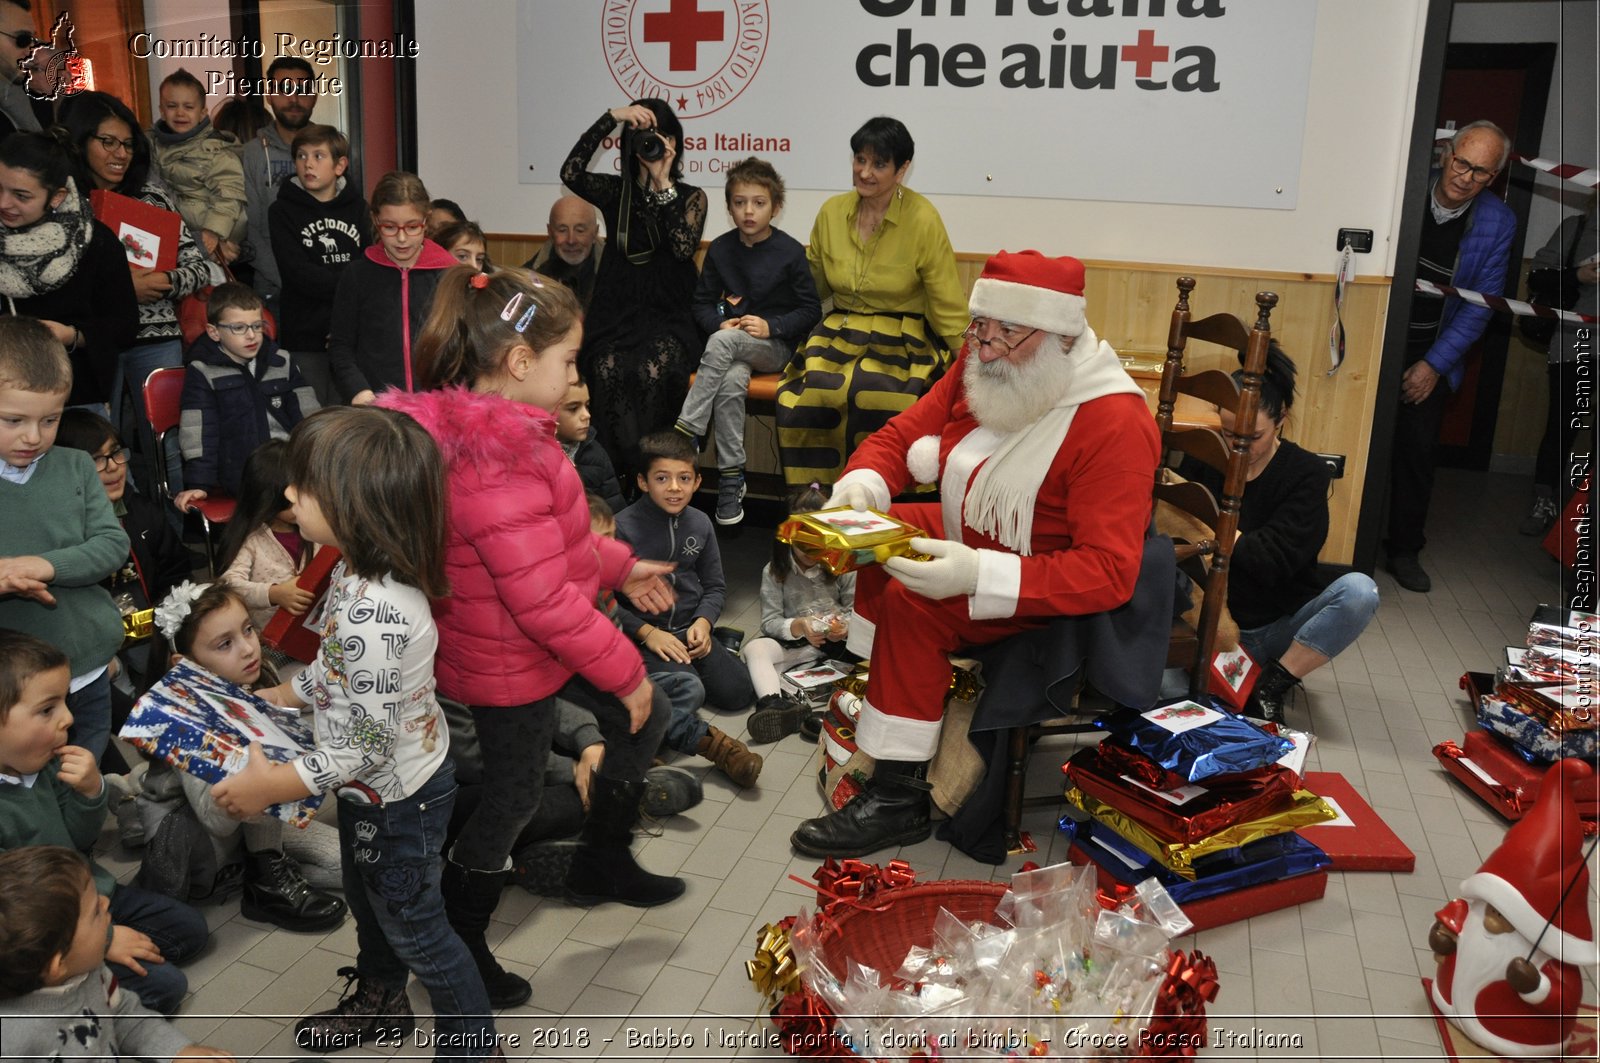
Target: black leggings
(514, 742)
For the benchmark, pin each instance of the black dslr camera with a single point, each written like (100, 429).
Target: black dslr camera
(645, 144)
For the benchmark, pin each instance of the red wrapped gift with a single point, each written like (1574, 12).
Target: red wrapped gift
(1359, 840)
(301, 636)
(1212, 912)
(1487, 765)
(1189, 812)
(148, 234)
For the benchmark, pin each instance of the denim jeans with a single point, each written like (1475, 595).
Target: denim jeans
(133, 366)
(393, 859)
(91, 715)
(727, 688)
(1327, 624)
(720, 385)
(177, 930)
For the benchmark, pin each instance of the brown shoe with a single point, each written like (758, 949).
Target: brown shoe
(732, 757)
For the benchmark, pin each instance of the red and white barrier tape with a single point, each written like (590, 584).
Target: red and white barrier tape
(1504, 305)
(1580, 175)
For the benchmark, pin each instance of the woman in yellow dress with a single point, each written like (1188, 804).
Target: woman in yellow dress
(881, 253)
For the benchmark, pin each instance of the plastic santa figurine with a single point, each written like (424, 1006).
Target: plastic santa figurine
(1509, 948)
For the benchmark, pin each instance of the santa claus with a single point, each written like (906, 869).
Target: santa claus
(1509, 947)
(1044, 451)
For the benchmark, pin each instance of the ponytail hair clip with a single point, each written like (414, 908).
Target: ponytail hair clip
(480, 281)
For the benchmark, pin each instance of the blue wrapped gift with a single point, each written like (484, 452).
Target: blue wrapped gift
(1533, 737)
(1196, 741)
(203, 725)
(1265, 860)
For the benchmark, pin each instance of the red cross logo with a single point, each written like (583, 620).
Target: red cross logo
(685, 27)
(1142, 55)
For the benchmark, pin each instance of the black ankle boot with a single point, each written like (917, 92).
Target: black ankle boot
(892, 810)
(470, 898)
(603, 868)
(1271, 691)
(276, 892)
(367, 1014)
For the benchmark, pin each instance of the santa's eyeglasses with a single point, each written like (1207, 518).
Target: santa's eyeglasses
(1002, 334)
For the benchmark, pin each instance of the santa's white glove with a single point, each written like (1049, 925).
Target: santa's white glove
(953, 570)
(856, 496)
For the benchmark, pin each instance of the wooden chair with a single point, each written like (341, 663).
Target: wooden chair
(1189, 646)
(163, 390)
(1193, 647)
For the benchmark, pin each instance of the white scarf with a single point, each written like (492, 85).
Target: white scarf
(1005, 489)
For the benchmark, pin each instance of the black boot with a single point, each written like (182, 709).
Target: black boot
(892, 810)
(603, 868)
(542, 868)
(1272, 689)
(276, 892)
(367, 1014)
(470, 898)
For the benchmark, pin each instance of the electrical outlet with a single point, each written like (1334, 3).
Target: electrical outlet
(1360, 240)
(1335, 464)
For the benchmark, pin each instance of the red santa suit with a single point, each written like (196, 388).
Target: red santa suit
(1525, 880)
(1057, 510)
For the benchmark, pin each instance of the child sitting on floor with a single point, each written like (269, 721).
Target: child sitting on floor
(663, 526)
(58, 999)
(208, 625)
(805, 615)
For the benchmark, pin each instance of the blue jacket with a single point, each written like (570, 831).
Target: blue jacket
(688, 539)
(226, 408)
(1480, 267)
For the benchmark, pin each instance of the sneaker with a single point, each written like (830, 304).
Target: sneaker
(1408, 572)
(366, 1014)
(125, 806)
(542, 867)
(668, 791)
(1540, 517)
(777, 716)
(730, 497)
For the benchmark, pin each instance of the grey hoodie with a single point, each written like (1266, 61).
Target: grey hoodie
(89, 1017)
(267, 162)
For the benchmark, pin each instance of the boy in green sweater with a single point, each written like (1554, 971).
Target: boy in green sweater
(51, 793)
(60, 537)
(58, 1000)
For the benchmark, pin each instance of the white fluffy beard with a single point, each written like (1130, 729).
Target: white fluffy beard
(1481, 959)
(1006, 398)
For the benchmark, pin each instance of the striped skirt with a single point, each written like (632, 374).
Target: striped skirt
(855, 371)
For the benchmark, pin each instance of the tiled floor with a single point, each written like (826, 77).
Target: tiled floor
(1340, 973)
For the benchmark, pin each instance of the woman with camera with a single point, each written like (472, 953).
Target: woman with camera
(640, 341)
(880, 252)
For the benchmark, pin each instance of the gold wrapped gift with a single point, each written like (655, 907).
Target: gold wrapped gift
(1305, 809)
(138, 624)
(845, 539)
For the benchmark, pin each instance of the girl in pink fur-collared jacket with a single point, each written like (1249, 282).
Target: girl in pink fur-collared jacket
(495, 358)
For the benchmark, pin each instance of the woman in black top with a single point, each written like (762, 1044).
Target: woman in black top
(1292, 619)
(640, 342)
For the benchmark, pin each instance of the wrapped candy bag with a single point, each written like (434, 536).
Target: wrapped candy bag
(1196, 741)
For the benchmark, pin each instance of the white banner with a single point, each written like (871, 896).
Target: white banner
(1157, 101)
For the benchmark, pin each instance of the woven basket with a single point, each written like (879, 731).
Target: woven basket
(881, 939)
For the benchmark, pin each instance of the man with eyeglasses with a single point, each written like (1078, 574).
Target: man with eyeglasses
(268, 162)
(1045, 452)
(1466, 243)
(18, 110)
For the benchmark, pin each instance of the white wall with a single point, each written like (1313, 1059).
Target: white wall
(1570, 117)
(1362, 95)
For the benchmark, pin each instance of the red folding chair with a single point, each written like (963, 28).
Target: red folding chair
(162, 391)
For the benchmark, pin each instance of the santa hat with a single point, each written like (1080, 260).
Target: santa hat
(1542, 854)
(1026, 288)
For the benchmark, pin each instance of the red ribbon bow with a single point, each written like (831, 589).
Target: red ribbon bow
(857, 883)
(1178, 1020)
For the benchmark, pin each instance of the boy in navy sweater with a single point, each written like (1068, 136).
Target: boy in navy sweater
(240, 391)
(662, 526)
(757, 300)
